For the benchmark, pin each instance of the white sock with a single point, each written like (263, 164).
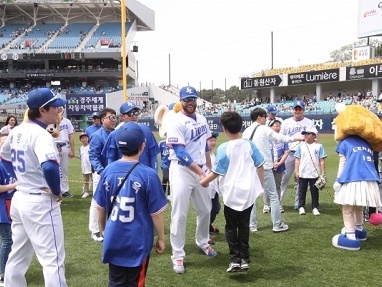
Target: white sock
(350, 235)
(359, 227)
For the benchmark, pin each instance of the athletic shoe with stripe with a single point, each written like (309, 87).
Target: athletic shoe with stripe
(178, 266)
(209, 251)
(233, 267)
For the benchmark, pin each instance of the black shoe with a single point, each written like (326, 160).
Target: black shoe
(244, 265)
(67, 194)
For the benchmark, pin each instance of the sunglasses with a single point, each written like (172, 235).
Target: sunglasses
(133, 113)
(112, 118)
(187, 100)
(56, 97)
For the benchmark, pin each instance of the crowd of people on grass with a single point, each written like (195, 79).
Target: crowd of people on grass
(121, 163)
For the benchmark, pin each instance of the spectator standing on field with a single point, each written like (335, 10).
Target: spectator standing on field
(90, 130)
(86, 167)
(309, 166)
(240, 164)
(261, 134)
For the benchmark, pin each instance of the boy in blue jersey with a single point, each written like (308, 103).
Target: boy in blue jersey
(136, 212)
(240, 164)
(7, 189)
(165, 166)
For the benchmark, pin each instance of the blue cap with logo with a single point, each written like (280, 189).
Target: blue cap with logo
(95, 115)
(129, 136)
(188, 92)
(42, 97)
(299, 104)
(127, 107)
(272, 110)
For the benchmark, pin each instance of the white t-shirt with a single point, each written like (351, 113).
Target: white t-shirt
(310, 155)
(85, 162)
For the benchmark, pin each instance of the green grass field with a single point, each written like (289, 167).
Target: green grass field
(302, 256)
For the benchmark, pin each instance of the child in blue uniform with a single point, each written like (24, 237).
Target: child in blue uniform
(7, 189)
(165, 166)
(136, 212)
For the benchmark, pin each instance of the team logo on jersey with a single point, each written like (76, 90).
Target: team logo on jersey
(198, 132)
(172, 140)
(136, 186)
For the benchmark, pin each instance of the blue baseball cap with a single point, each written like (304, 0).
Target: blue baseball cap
(299, 104)
(42, 97)
(129, 136)
(95, 115)
(127, 107)
(272, 110)
(214, 134)
(188, 92)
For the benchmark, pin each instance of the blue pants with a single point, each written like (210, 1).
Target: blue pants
(6, 244)
(215, 209)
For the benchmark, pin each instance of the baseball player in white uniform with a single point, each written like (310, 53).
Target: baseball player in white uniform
(187, 135)
(66, 141)
(36, 215)
(293, 126)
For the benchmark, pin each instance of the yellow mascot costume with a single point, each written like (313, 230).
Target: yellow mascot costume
(359, 135)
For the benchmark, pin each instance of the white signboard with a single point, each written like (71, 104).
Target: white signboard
(369, 18)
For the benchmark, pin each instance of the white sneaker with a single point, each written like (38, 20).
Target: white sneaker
(266, 209)
(301, 211)
(315, 211)
(85, 195)
(97, 237)
(253, 229)
(178, 267)
(282, 209)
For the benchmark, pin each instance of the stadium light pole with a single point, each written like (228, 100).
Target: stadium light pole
(123, 49)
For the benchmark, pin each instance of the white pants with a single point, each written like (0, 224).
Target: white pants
(64, 165)
(93, 211)
(36, 228)
(185, 185)
(289, 165)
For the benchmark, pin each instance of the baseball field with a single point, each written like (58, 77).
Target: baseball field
(302, 256)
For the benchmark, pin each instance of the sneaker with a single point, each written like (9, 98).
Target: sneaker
(315, 211)
(97, 237)
(266, 209)
(178, 267)
(209, 251)
(211, 242)
(341, 241)
(214, 230)
(295, 207)
(85, 195)
(168, 197)
(253, 229)
(233, 267)
(244, 266)
(67, 194)
(282, 209)
(1, 279)
(281, 227)
(301, 211)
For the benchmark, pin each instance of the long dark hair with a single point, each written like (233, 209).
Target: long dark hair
(8, 118)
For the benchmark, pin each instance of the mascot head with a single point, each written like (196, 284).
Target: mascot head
(43, 97)
(357, 120)
(163, 115)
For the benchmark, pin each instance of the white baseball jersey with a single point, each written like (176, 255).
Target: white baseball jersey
(27, 147)
(190, 132)
(66, 129)
(291, 127)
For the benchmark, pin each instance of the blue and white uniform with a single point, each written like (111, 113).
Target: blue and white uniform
(192, 133)
(36, 215)
(139, 199)
(90, 130)
(359, 177)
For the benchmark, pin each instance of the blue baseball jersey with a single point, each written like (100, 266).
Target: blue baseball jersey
(90, 130)
(129, 231)
(7, 176)
(164, 154)
(359, 160)
(148, 157)
(277, 151)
